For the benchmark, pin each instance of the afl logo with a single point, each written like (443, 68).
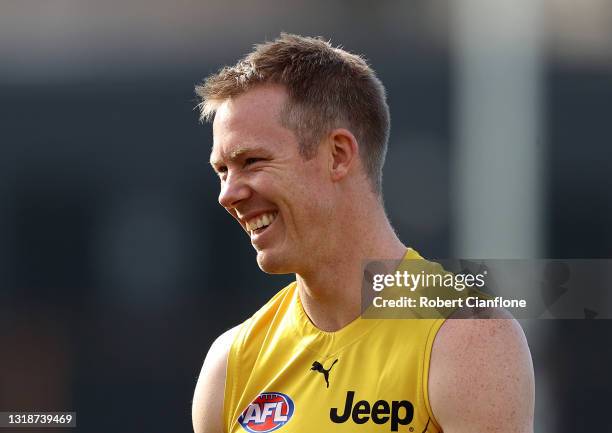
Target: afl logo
(268, 412)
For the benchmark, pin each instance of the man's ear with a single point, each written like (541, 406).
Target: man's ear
(344, 152)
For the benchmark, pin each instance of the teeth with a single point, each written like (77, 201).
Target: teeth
(261, 221)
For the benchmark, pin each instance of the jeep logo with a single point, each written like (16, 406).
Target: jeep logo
(399, 412)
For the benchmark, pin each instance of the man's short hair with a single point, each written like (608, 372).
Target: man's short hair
(327, 87)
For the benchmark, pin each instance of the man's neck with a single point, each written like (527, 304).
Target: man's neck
(331, 293)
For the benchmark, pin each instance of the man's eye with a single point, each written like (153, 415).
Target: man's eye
(250, 161)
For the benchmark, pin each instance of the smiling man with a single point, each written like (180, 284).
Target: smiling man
(300, 134)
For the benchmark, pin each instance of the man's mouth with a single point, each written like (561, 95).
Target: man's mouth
(261, 222)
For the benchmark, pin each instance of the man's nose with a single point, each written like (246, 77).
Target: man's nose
(233, 191)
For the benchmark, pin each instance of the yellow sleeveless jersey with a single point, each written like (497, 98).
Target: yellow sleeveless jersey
(285, 374)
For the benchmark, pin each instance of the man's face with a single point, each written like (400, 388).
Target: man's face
(279, 199)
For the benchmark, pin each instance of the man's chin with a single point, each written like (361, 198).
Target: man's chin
(272, 263)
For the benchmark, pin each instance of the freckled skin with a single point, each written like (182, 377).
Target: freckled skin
(481, 376)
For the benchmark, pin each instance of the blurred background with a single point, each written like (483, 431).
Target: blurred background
(117, 266)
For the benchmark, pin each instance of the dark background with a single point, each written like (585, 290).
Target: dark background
(117, 266)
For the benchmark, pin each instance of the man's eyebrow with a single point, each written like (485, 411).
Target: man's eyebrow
(236, 154)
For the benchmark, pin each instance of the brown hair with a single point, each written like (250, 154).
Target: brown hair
(328, 88)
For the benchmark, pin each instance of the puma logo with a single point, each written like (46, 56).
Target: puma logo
(317, 366)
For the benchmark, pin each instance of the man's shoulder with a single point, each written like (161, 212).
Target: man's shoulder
(222, 345)
(469, 330)
(207, 407)
(481, 373)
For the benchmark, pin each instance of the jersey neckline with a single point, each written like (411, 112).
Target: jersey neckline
(328, 343)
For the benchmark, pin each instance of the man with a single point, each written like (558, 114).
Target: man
(300, 132)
